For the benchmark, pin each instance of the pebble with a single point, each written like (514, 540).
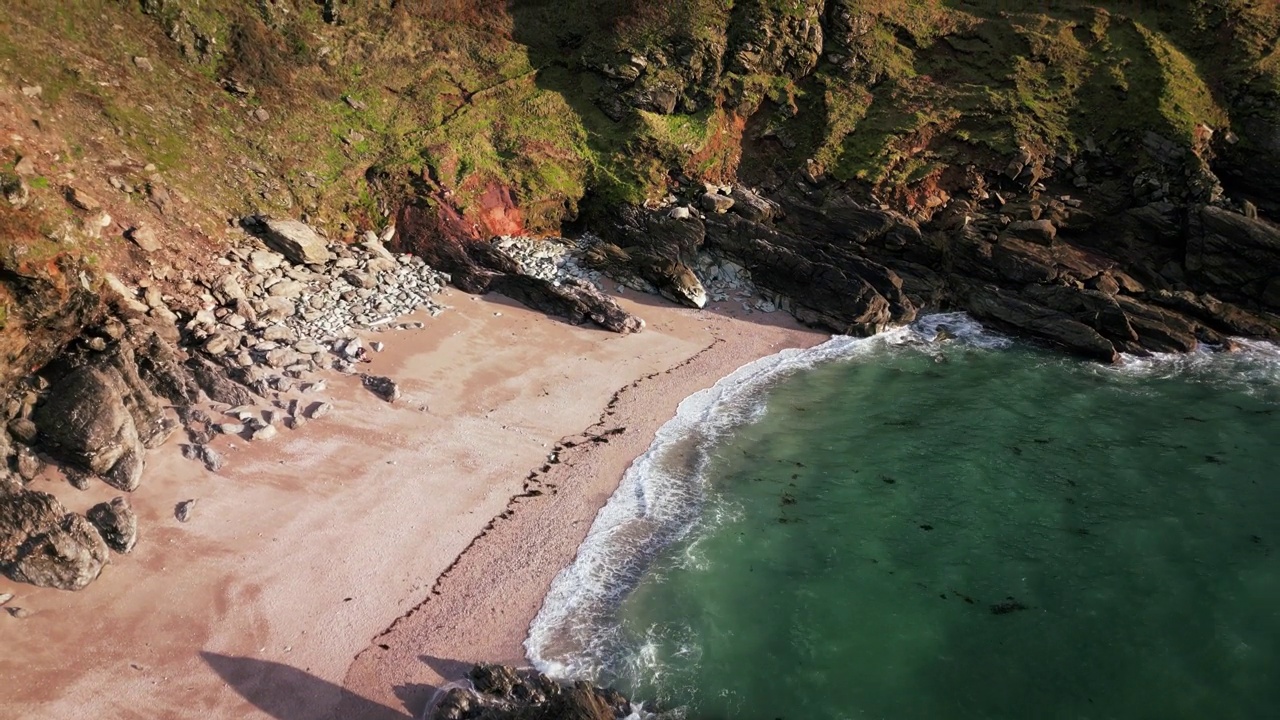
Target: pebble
(5, 597)
(183, 510)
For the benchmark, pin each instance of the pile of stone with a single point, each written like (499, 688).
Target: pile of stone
(286, 304)
(556, 259)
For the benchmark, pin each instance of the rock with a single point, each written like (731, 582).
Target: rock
(716, 203)
(753, 206)
(383, 387)
(182, 511)
(1038, 231)
(274, 309)
(29, 464)
(213, 460)
(295, 240)
(992, 304)
(218, 344)
(15, 190)
(144, 237)
(42, 544)
(143, 63)
(267, 432)
(5, 598)
(280, 333)
(287, 289)
(319, 410)
(261, 261)
(1234, 256)
(25, 167)
(502, 693)
(32, 91)
(23, 429)
(81, 199)
(84, 421)
(116, 523)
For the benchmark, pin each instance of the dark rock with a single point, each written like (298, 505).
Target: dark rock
(501, 693)
(383, 387)
(182, 511)
(42, 544)
(1038, 231)
(828, 284)
(85, 421)
(117, 523)
(1235, 256)
(217, 384)
(989, 303)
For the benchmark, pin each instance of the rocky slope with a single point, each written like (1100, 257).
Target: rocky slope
(201, 201)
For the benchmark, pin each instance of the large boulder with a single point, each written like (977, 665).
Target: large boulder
(291, 238)
(42, 544)
(84, 421)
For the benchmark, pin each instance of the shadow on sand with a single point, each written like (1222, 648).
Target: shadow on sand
(287, 693)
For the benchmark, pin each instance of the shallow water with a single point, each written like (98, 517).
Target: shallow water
(969, 529)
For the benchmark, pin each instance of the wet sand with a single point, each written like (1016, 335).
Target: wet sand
(348, 568)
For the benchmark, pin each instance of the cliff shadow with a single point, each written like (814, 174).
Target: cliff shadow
(287, 693)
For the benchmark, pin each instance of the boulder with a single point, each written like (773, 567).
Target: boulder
(42, 544)
(84, 421)
(295, 240)
(117, 524)
(716, 203)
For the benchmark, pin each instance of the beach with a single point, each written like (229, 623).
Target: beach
(350, 567)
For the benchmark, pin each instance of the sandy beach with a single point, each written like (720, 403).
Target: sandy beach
(348, 568)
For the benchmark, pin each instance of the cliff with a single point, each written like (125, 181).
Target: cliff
(1100, 176)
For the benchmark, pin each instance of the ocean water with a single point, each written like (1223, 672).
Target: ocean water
(901, 528)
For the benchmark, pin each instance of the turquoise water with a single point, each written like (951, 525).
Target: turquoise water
(967, 529)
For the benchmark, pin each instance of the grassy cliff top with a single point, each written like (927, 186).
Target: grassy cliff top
(337, 109)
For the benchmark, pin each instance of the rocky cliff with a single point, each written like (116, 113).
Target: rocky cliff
(197, 195)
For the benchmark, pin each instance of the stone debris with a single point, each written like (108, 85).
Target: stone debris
(182, 511)
(274, 314)
(267, 432)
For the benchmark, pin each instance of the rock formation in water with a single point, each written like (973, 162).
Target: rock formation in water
(498, 692)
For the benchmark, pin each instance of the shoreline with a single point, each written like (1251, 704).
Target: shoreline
(482, 606)
(308, 553)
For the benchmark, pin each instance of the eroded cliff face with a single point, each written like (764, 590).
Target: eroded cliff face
(1099, 176)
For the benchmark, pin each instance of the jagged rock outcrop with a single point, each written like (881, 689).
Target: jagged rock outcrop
(104, 409)
(478, 267)
(503, 693)
(43, 544)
